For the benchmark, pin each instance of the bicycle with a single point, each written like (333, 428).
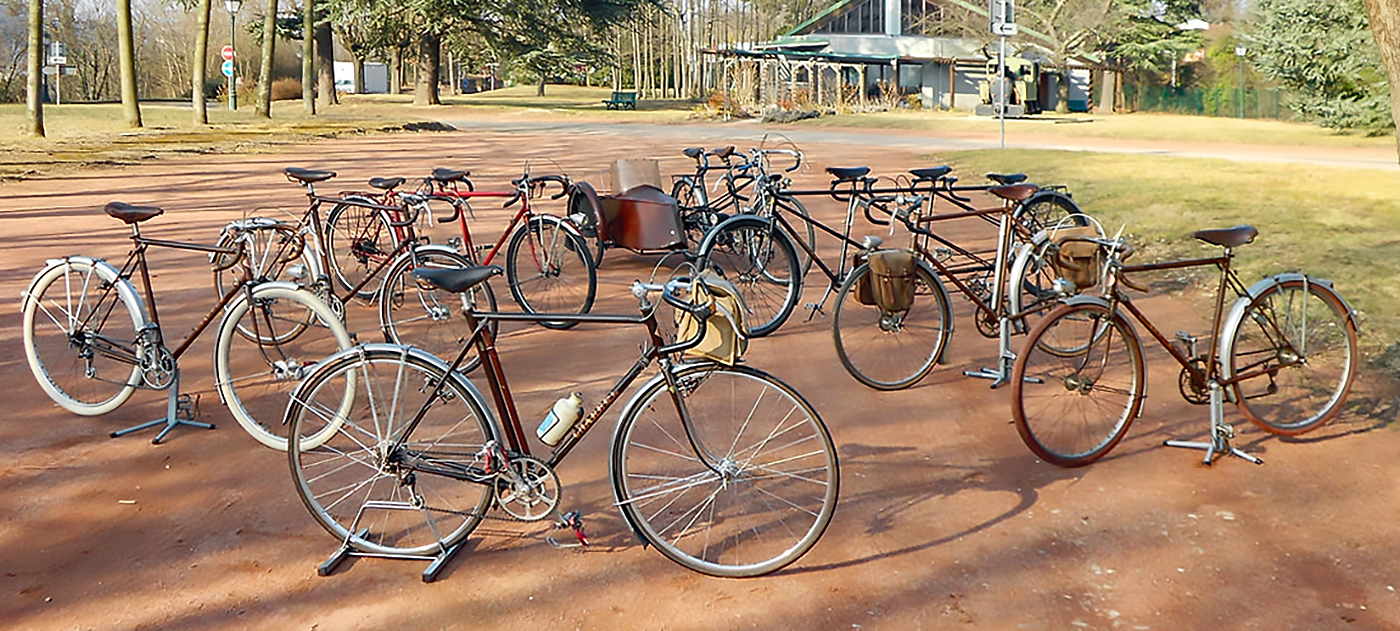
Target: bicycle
(725, 469)
(1285, 354)
(546, 257)
(91, 342)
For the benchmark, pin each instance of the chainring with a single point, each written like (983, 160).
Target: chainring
(1193, 390)
(529, 491)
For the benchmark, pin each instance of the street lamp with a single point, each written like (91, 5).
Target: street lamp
(1239, 52)
(232, 6)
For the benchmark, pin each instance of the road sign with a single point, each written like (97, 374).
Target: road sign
(57, 60)
(227, 53)
(1004, 29)
(67, 70)
(228, 68)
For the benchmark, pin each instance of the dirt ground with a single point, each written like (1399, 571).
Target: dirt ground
(945, 519)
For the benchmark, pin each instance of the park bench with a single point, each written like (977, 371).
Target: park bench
(622, 100)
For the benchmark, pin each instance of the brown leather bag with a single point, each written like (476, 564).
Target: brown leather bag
(1078, 261)
(726, 336)
(892, 279)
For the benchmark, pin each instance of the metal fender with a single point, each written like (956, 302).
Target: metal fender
(569, 226)
(104, 270)
(708, 242)
(1086, 299)
(1235, 318)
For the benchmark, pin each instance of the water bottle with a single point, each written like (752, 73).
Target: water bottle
(557, 423)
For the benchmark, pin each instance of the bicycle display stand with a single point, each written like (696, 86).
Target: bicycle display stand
(178, 411)
(1220, 432)
(435, 561)
(1001, 375)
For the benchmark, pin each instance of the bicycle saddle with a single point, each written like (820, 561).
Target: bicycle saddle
(848, 173)
(448, 175)
(456, 280)
(1227, 237)
(1015, 192)
(723, 152)
(1005, 179)
(385, 183)
(693, 152)
(308, 175)
(132, 214)
(931, 173)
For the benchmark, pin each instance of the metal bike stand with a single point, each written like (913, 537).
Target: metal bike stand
(1220, 432)
(178, 411)
(1001, 375)
(435, 561)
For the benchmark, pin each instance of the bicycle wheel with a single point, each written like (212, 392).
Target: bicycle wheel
(80, 327)
(1031, 285)
(891, 350)
(1294, 350)
(426, 317)
(373, 483)
(585, 210)
(269, 250)
(743, 489)
(1072, 409)
(696, 217)
(1046, 209)
(359, 239)
(254, 379)
(759, 259)
(550, 270)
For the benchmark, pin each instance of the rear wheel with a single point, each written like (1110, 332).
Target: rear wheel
(1294, 351)
(1073, 408)
(359, 240)
(1048, 209)
(427, 317)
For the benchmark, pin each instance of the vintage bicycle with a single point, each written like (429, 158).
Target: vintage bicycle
(1285, 354)
(91, 340)
(724, 468)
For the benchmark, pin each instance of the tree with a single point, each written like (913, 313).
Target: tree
(200, 62)
(1385, 27)
(35, 111)
(126, 52)
(325, 58)
(269, 40)
(1321, 50)
(1069, 27)
(308, 57)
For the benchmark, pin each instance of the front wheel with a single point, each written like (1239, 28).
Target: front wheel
(759, 259)
(1048, 209)
(81, 322)
(737, 476)
(426, 317)
(254, 379)
(1293, 350)
(550, 270)
(372, 483)
(885, 349)
(1072, 408)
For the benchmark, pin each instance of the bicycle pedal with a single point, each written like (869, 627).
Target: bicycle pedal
(1226, 430)
(572, 521)
(187, 408)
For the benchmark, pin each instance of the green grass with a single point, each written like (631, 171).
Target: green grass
(1339, 224)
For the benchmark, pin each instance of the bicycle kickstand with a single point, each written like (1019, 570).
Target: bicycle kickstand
(1001, 375)
(1220, 432)
(179, 410)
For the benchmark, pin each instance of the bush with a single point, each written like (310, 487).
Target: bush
(286, 89)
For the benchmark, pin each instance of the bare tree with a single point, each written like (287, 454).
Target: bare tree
(35, 111)
(325, 64)
(1385, 27)
(269, 41)
(200, 62)
(126, 52)
(308, 57)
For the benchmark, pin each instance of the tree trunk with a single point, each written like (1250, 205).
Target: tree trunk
(325, 66)
(396, 71)
(1385, 27)
(425, 89)
(540, 90)
(34, 114)
(308, 57)
(1107, 92)
(360, 76)
(126, 61)
(269, 43)
(1062, 90)
(199, 63)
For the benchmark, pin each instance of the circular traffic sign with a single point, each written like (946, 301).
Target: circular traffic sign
(228, 68)
(226, 52)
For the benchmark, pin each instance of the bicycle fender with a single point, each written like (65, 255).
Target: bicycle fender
(568, 225)
(708, 241)
(106, 271)
(1085, 299)
(1236, 316)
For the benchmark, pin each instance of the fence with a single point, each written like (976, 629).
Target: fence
(1221, 101)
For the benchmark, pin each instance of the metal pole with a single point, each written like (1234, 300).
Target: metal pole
(232, 76)
(1001, 81)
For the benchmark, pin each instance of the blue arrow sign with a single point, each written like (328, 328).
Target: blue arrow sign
(228, 68)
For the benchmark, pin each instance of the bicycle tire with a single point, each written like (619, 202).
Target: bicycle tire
(357, 239)
(808, 236)
(61, 296)
(777, 481)
(1292, 395)
(377, 502)
(584, 208)
(696, 217)
(759, 259)
(261, 254)
(556, 273)
(423, 316)
(1071, 410)
(889, 350)
(254, 379)
(1046, 209)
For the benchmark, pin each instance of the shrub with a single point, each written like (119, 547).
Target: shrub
(286, 89)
